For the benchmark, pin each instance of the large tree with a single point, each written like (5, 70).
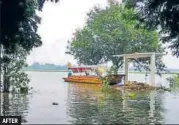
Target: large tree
(18, 31)
(18, 28)
(162, 15)
(109, 32)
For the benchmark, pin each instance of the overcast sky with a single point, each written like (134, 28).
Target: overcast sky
(59, 21)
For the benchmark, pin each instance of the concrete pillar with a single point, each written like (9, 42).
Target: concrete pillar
(152, 70)
(126, 70)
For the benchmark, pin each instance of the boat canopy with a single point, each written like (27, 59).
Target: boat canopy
(81, 69)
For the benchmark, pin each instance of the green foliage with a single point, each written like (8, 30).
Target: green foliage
(131, 95)
(174, 81)
(20, 83)
(41, 3)
(113, 70)
(105, 80)
(20, 27)
(162, 15)
(111, 31)
(163, 88)
(84, 43)
(105, 87)
(19, 24)
(15, 79)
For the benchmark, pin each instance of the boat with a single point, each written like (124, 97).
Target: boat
(80, 76)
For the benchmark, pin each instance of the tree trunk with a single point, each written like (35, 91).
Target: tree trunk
(117, 65)
(117, 62)
(1, 85)
(0, 51)
(6, 81)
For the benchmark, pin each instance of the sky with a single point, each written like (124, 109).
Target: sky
(59, 22)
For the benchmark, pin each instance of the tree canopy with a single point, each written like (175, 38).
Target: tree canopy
(19, 23)
(162, 15)
(18, 35)
(109, 32)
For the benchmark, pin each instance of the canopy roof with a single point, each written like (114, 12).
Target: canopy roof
(81, 68)
(139, 55)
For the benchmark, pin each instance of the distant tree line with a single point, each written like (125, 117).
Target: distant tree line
(46, 66)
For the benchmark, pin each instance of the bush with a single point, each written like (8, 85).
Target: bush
(174, 81)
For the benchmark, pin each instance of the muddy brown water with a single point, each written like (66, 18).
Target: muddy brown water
(86, 104)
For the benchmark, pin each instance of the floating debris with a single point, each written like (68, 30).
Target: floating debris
(138, 86)
(133, 85)
(54, 103)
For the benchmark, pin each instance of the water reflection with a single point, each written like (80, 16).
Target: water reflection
(87, 105)
(14, 105)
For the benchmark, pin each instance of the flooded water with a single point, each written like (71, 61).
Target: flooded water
(85, 104)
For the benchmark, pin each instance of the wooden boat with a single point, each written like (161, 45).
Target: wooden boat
(91, 79)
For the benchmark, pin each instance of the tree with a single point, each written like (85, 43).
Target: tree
(162, 15)
(15, 19)
(41, 3)
(18, 28)
(14, 78)
(21, 26)
(16, 37)
(86, 48)
(112, 32)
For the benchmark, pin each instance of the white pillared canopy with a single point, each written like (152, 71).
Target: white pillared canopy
(152, 56)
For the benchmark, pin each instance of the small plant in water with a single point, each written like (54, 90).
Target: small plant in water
(105, 84)
(174, 81)
(105, 87)
(131, 95)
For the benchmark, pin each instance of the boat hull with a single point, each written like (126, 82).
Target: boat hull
(83, 79)
(114, 79)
